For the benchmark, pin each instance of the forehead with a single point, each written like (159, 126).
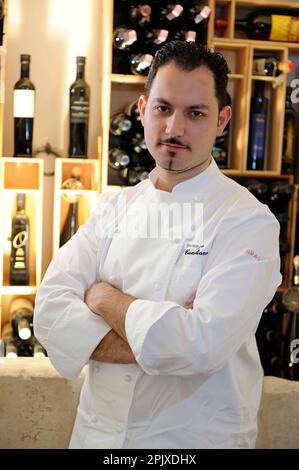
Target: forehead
(171, 83)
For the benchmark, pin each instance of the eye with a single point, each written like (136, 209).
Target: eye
(196, 113)
(162, 108)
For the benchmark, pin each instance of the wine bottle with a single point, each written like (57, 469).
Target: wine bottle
(221, 145)
(259, 189)
(79, 113)
(270, 66)
(198, 13)
(279, 196)
(258, 128)
(290, 140)
(140, 15)
(19, 257)
(134, 175)
(185, 35)
(38, 351)
(71, 222)
(21, 312)
(1, 21)
(291, 301)
(120, 124)
(118, 158)
(140, 63)
(154, 38)
(132, 111)
(274, 24)
(10, 342)
(170, 13)
(23, 110)
(138, 143)
(124, 38)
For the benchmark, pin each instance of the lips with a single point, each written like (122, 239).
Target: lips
(174, 147)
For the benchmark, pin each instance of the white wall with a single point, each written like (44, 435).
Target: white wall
(53, 32)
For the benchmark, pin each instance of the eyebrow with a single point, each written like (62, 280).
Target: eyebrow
(194, 106)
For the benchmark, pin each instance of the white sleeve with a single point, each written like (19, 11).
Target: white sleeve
(240, 278)
(63, 323)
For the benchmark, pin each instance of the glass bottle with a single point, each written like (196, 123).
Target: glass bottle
(290, 139)
(79, 113)
(20, 236)
(21, 315)
(258, 128)
(23, 110)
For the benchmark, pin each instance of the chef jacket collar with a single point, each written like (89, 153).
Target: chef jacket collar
(197, 185)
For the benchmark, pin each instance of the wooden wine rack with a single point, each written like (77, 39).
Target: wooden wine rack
(118, 90)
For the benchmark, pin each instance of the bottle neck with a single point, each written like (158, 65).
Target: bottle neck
(25, 70)
(20, 203)
(240, 25)
(80, 72)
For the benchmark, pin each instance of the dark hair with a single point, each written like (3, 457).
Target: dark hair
(188, 56)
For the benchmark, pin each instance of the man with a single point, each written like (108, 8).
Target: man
(166, 318)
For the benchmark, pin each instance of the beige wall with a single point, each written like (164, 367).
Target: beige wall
(54, 32)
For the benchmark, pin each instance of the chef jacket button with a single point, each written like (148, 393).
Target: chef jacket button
(176, 241)
(112, 278)
(157, 286)
(128, 378)
(94, 420)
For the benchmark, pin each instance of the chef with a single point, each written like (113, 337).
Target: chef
(160, 292)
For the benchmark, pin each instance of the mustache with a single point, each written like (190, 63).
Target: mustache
(173, 141)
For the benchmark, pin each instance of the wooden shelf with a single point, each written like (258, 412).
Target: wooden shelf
(128, 79)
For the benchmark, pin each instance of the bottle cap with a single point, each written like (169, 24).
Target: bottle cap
(221, 23)
(25, 58)
(286, 66)
(80, 60)
(19, 304)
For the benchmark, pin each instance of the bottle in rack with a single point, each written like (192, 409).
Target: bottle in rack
(19, 257)
(274, 24)
(140, 14)
(270, 66)
(124, 38)
(258, 128)
(221, 145)
(21, 312)
(1, 21)
(11, 343)
(23, 109)
(132, 111)
(290, 140)
(120, 124)
(79, 113)
(118, 158)
(170, 14)
(291, 302)
(140, 63)
(71, 222)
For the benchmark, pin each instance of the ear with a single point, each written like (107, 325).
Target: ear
(141, 106)
(223, 118)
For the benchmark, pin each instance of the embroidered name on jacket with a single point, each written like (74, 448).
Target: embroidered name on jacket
(195, 250)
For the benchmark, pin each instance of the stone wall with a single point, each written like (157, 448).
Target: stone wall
(38, 406)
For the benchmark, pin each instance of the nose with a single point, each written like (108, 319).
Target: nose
(175, 125)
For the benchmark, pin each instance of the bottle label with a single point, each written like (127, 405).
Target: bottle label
(24, 103)
(79, 111)
(258, 135)
(284, 28)
(19, 243)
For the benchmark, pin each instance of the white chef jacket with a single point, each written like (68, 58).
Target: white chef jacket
(198, 379)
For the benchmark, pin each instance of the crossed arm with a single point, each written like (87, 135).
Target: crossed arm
(112, 305)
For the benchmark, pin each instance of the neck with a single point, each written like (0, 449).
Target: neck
(167, 180)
